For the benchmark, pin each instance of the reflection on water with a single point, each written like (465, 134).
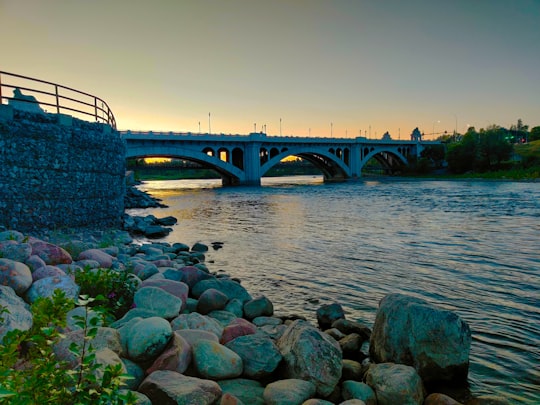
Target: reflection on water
(470, 247)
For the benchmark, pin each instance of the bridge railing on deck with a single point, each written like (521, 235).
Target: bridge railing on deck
(62, 99)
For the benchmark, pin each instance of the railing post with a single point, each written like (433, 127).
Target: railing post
(1, 99)
(95, 109)
(57, 99)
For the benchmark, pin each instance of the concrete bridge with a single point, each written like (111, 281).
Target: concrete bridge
(244, 159)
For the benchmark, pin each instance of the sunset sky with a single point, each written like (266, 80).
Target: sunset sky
(324, 67)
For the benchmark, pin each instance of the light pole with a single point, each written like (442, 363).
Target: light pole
(280, 127)
(331, 129)
(209, 127)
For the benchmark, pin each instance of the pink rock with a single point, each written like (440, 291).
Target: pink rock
(16, 275)
(175, 357)
(229, 399)
(238, 327)
(163, 263)
(104, 259)
(49, 253)
(34, 262)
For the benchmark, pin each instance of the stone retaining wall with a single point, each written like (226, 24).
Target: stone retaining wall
(58, 172)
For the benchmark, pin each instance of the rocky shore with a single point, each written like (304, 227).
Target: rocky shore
(192, 336)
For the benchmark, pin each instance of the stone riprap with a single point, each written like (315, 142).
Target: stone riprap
(59, 172)
(175, 354)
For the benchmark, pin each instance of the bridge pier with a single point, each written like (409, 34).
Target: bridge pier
(252, 165)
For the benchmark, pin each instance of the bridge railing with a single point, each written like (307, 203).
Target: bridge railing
(62, 99)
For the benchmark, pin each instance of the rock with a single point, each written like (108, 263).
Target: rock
(19, 315)
(166, 387)
(408, 330)
(105, 338)
(353, 401)
(175, 357)
(191, 275)
(230, 288)
(236, 307)
(93, 318)
(105, 260)
(347, 327)
(315, 401)
(352, 370)
(223, 317)
(266, 320)
(16, 275)
(19, 252)
(134, 371)
(199, 247)
(215, 361)
(250, 392)
(288, 392)
(159, 301)
(156, 231)
(176, 288)
(274, 332)
(229, 399)
(211, 300)
(103, 358)
(145, 269)
(34, 262)
(395, 384)
(311, 355)
(11, 235)
(45, 287)
(193, 335)
(260, 306)
(327, 314)
(147, 338)
(166, 221)
(260, 356)
(47, 271)
(358, 390)
(440, 399)
(197, 321)
(238, 327)
(49, 253)
(335, 333)
(351, 345)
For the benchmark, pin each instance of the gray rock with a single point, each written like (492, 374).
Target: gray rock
(215, 361)
(16, 275)
(47, 271)
(236, 307)
(211, 300)
(353, 370)
(46, 287)
(197, 321)
(104, 259)
(159, 301)
(34, 262)
(199, 247)
(260, 356)
(288, 392)
(165, 387)
(193, 335)
(250, 392)
(329, 313)
(347, 327)
(395, 384)
(260, 306)
(17, 251)
(147, 338)
(11, 235)
(311, 355)
(134, 371)
(358, 390)
(408, 330)
(19, 315)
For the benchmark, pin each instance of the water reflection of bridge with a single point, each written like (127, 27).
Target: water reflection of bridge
(244, 159)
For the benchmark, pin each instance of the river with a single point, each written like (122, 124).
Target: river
(467, 246)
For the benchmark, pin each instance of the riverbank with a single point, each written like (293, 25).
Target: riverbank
(202, 335)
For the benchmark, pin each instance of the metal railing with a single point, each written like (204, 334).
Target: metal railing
(63, 99)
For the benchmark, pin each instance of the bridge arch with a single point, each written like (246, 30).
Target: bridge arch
(331, 167)
(390, 158)
(230, 174)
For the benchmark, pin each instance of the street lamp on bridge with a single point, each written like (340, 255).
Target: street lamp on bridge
(433, 133)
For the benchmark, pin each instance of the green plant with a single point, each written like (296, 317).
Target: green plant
(30, 372)
(116, 288)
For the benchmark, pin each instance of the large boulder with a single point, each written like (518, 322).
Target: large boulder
(19, 315)
(408, 330)
(260, 306)
(104, 259)
(358, 390)
(311, 355)
(16, 275)
(197, 321)
(166, 387)
(147, 338)
(11, 249)
(395, 384)
(230, 288)
(211, 300)
(175, 357)
(329, 313)
(250, 392)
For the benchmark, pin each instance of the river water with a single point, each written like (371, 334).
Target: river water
(468, 246)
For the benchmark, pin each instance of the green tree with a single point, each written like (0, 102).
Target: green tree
(461, 156)
(534, 135)
(493, 148)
